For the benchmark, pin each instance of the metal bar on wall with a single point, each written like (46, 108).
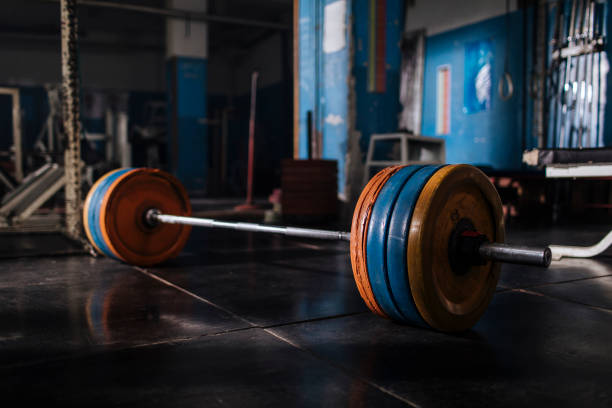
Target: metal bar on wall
(540, 73)
(182, 14)
(72, 123)
(377, 46)
(296, 79)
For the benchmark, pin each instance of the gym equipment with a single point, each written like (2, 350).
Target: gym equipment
(575, 77)
(425, 240)
(248, 204)
(114, 216)
(561, 251)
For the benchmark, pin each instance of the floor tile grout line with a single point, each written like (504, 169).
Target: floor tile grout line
(501, 289)
(565, 281)
(193, 295)
(342, 369)
(534, 293)
(225, 310)
(171, 341)
(303, 269)
(279, 337)
(314, 319)
(108, 348)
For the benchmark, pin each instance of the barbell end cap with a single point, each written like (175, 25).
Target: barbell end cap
(150, 217)
(547, 257)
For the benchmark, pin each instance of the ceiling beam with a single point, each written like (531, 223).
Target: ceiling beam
(181, 14)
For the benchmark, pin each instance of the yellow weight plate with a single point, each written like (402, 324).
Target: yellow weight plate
(446, 300)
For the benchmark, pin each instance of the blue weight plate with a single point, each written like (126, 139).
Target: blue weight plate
(94, 212)
(397, 240)
(377, 239)
(86, 205)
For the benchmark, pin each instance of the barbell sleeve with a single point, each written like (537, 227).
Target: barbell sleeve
(540, 256)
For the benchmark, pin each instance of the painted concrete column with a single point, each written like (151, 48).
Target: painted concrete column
(187, 53)
(377, 34)
(324, 68)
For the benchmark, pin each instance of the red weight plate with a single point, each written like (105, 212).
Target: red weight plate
(359, 229)
(122, 217)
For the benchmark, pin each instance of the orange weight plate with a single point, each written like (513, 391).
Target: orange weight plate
(446, 300)
(359, 229)
(122, 217)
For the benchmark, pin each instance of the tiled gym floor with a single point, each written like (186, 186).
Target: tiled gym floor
(256, 320)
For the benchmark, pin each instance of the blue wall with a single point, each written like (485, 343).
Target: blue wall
(188, 137)
(377, 112)
(491, 138)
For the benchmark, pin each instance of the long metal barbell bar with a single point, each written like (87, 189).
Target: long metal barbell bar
(488, 250)
(540, 256)
(153, 216)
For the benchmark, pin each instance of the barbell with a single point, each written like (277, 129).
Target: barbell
(426, 242)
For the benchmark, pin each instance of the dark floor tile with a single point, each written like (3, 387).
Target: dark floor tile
(57, 306)
(585, 235)
(81, 332)
(340, 263)
(594, 292)
(14, 245)
(520, 276)
(220, 247)
(526, 350)
(568, 269)
(247, 368)
(267, 294)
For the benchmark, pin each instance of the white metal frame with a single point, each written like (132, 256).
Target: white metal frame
(579, 170)
(404, 139)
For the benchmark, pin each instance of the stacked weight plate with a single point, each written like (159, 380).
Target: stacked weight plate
(400, 234)
(113, 216)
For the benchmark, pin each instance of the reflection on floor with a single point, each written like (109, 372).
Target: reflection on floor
(253, 320)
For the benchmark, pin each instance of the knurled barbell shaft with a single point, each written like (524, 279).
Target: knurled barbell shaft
(489, 250)
(154, 216)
